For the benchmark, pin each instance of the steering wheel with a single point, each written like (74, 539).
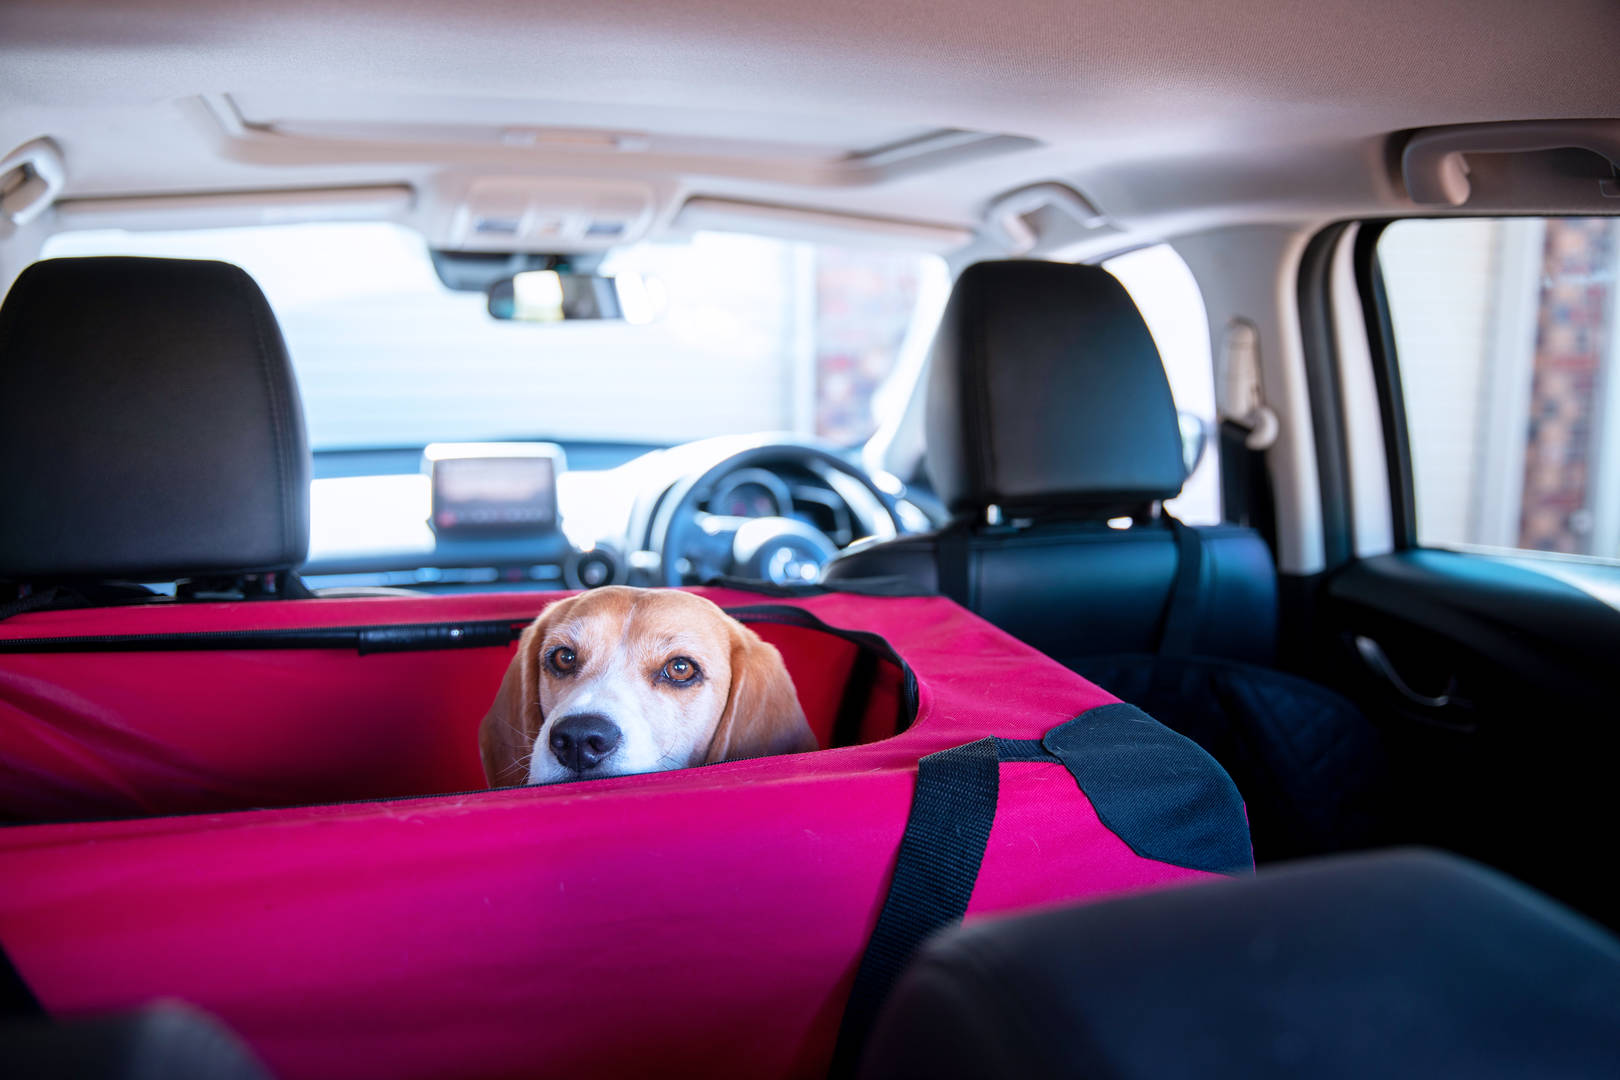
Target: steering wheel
(695, 547)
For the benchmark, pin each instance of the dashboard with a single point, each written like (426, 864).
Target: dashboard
(466, 517)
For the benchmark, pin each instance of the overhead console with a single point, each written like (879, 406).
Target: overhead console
(520, 213)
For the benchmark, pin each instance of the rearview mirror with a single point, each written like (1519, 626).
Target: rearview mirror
(548, 296)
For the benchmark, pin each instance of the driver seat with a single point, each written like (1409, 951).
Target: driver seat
(1052, 439)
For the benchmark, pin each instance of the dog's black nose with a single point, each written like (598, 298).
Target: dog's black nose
(581, 742)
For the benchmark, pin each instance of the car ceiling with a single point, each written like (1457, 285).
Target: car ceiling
(1167, 116)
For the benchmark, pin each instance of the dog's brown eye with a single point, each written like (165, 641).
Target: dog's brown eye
(563, 659)
(681, 669)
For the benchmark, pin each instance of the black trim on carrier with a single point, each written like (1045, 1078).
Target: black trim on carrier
(1156, 790)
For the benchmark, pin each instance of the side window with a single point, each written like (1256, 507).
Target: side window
(1505, 330)
(1167, 295)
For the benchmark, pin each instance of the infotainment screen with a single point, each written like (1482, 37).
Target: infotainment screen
(509, 487)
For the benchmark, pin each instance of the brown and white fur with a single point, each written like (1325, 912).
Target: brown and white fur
(621, 680)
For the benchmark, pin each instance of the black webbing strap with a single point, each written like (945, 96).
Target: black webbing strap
(1237, 472)
(1180, 630)
(1156, 790)
(955, 547)
(1179, 634)
(16, 998)
(1246, 495)
(940, 852)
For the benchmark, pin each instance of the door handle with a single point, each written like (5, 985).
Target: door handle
(1372, 654)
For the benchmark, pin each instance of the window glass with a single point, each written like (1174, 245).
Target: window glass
(1505, 334)
(755, 335)
(1167, 295)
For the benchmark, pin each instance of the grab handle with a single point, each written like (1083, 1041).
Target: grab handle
(1436, 175)
(31, 177)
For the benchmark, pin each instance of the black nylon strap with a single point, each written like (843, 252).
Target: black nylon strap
(1181, 612)
(1157, 791)
(952, 810)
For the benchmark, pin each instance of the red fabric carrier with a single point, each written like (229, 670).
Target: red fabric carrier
(266, 838)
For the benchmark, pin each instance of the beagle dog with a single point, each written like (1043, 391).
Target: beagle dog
(621, 680)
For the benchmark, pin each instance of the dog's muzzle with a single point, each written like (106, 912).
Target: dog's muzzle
(584, 741)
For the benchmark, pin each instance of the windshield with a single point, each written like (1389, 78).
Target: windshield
(757, 335)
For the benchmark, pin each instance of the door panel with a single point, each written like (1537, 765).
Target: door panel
(1494, 686)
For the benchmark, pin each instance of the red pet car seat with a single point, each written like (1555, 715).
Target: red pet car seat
(707, 921)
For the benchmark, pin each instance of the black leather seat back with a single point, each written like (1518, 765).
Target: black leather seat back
(1049, 410)
(150, 425)
(1081, 589)
(1046, 394)
(1401, 965)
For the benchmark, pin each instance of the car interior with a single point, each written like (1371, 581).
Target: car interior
(1256, 368)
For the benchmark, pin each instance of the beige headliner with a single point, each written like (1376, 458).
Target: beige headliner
(1168, 116)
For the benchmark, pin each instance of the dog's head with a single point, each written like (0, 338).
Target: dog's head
(621, 680)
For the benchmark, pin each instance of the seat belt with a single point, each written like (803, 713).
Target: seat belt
(1178, 637)
(1179, 633)
(955, 547)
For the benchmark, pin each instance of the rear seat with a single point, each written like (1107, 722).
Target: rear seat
(1049, 415)
(1403, 965)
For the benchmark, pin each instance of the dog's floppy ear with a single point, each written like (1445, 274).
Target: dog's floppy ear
(506, 737)
(762, 714)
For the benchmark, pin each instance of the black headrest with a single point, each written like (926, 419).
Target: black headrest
(1395, 964)
(150, 427)
(1046, 390)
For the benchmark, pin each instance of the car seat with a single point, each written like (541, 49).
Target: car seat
(1397, 964)
(150, 431)
(1053, 441)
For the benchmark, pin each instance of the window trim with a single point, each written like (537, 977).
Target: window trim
(1319, 348)
(1387, 380)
